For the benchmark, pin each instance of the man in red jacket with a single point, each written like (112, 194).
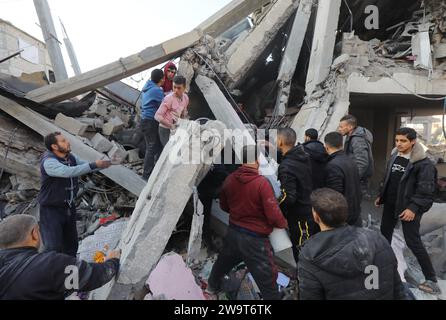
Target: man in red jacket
(253, 214)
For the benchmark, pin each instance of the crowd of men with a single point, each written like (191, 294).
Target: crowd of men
(323, 184)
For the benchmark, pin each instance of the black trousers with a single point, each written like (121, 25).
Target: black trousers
(300, 231)
(58, 229)
(154, 148)
(257, 254)
(411, 231)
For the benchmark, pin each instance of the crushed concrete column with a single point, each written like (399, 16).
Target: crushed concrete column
(254, 45)
(291, 55)
(323, 43)
(161, 204)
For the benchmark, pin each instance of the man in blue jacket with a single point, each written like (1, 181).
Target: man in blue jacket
(152, 96)
(60, 170)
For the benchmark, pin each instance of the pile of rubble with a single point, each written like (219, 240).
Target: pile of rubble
(239, 70)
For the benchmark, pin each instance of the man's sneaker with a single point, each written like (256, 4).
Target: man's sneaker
(430, 287)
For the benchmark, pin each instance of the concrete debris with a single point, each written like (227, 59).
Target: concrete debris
(114, 125)
(196, 233)
(117, 153)
(71, 125)
(105, 237)
(101, 144)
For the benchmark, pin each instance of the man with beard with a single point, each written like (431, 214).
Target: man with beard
(60, 170)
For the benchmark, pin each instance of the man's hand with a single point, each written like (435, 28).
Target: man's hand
(115, 254)
(407, 215)
(377, 202)
(103, 164)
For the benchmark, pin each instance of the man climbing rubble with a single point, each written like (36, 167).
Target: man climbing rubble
(173, 108)
(152, 96)
(253, 214)
(358, 145)
(407, 193)
(26, 274)
(296, 184)
(60, 170)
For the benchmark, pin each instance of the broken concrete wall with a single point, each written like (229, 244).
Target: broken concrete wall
(161, 204)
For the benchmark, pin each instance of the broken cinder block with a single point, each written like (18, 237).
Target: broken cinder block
(117, 152)
(114, 125)
(71, 125)
(101, 144)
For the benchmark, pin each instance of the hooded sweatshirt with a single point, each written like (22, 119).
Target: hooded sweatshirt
(168, 84)
(334, 265)
(318, 158)
(359, 146)
(152, 96)
(250, 201)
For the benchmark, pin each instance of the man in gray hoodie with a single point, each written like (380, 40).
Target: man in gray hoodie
(358, 145)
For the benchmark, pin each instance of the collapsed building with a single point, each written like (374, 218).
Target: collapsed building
(270, 64)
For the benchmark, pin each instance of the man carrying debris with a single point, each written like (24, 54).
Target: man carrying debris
(358, 145)
(318, 157)
(26, 274)
(173, 108)
(152, 96)
(253, 214)
(60, 170)
(345, 262)
(407, 193)
(341, 174)
(296, 183)
(170, 70)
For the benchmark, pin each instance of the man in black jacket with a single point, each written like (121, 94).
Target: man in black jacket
(318, 157)
(296, 183)
(342, 175)
(407, 193)
(345, 262)
(26, 274)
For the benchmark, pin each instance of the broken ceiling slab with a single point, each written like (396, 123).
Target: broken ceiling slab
(148, 58)
(119, 174)
(323, 43)
(254, 45)
(173, 280)
(157, 212)
(408, 82)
